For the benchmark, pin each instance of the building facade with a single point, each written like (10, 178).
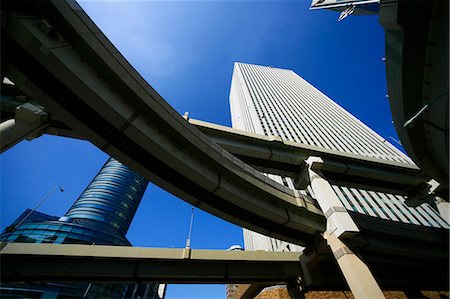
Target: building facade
(100, 216)
(273, 101)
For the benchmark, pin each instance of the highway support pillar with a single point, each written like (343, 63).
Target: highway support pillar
(310, 259)
(355, 271)
(28, 124)
(444, 209)
(295, 289)
(339, 223)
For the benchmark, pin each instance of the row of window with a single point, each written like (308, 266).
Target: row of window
(111, 198)
(290, 107)
(61, 233)
(74, 290)
(387, 206)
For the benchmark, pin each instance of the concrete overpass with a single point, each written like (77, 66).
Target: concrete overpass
(417, 71)
(272, 154)
(416, 258)
(268, 154)
(52, 262)
(398, 244)
(395, 241)
(61, 60)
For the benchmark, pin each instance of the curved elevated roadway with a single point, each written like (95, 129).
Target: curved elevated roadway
(54, 53)
(417, 69)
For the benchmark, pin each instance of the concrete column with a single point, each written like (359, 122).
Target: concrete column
(28, 124)
(355, 271)
(338, 219)
(295, 289)
(444, 210)
(312, 256)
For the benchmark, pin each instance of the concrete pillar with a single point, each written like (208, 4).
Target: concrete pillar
(295, 289)
(338, 219)
(28, 124)
(444, 210)
(355, 271)
(310, 259)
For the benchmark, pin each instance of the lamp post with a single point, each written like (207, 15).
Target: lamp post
(188, 241)
(37, 206)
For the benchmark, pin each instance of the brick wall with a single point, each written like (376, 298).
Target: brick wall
(280, 292)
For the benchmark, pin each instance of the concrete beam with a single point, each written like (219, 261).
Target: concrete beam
(55, 262)
(29, 122)
(272, 154)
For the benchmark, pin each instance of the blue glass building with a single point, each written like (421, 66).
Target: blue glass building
(101, 215)
(110, 200)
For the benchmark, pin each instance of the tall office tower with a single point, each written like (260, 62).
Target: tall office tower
(100, 216)
(273, 101)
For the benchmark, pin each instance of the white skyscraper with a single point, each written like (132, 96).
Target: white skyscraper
(273, 101)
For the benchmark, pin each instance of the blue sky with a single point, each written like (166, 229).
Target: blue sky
(186, 51)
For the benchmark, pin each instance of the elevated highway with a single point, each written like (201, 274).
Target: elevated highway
(61, 61)
(417, 71)
(52, 262)
(272, 154)
(397, 243)
(407, 257)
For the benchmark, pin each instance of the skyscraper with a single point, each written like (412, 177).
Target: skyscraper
(273, 101)
(101, 215)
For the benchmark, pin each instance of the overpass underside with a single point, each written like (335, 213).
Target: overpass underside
(51, 262)
(417, 70)
(76, 263)
(61, 62)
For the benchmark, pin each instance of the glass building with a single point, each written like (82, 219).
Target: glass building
(100, 216)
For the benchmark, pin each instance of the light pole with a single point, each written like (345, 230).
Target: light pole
(37, 206)
(188, 241)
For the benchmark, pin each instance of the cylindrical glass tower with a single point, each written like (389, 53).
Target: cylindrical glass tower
(111, 199)
(101, 216)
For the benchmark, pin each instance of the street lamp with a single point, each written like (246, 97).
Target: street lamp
(188, 241)
(37, 206)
